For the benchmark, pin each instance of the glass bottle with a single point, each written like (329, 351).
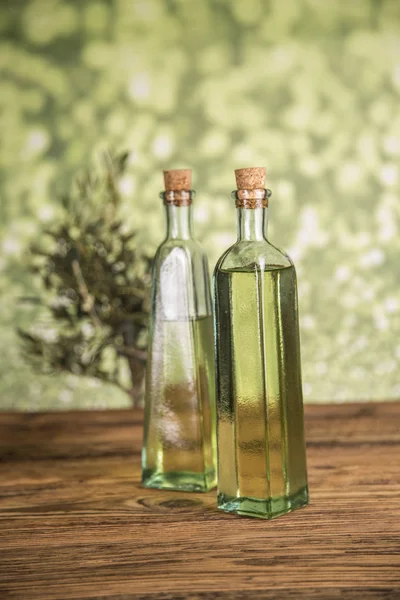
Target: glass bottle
(179, 449)
(261, 449)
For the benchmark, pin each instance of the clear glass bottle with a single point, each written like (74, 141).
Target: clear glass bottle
(261, 450)
(179, 449)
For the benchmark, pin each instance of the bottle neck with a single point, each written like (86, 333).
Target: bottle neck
(179, 222)
(252, 224)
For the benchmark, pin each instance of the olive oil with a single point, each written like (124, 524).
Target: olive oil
(180, 440)
(262, 465)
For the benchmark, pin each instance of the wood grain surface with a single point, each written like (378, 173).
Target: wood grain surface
(75, 523)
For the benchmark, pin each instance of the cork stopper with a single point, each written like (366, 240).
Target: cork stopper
(178, 179)
(251, 192)
(252, 178)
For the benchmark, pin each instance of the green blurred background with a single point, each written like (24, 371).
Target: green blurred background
(308, 88)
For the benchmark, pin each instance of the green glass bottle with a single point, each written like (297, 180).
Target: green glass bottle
(179, 449)
(261, 449)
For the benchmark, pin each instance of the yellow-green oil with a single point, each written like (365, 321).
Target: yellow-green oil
(261, 448)
(180, 443)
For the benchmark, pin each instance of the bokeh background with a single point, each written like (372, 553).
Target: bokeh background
(308, 88)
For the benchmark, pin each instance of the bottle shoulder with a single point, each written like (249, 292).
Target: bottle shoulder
(177, 257)
(250, 255)
(179, 252)
(188, 246)
(180, 283)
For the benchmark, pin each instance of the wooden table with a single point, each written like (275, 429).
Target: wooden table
(75, 523)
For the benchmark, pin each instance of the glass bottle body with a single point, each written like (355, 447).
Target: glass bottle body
(179, 450)
(261, 448)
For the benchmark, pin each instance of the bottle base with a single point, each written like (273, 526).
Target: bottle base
(263, 508)
(184, 481)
